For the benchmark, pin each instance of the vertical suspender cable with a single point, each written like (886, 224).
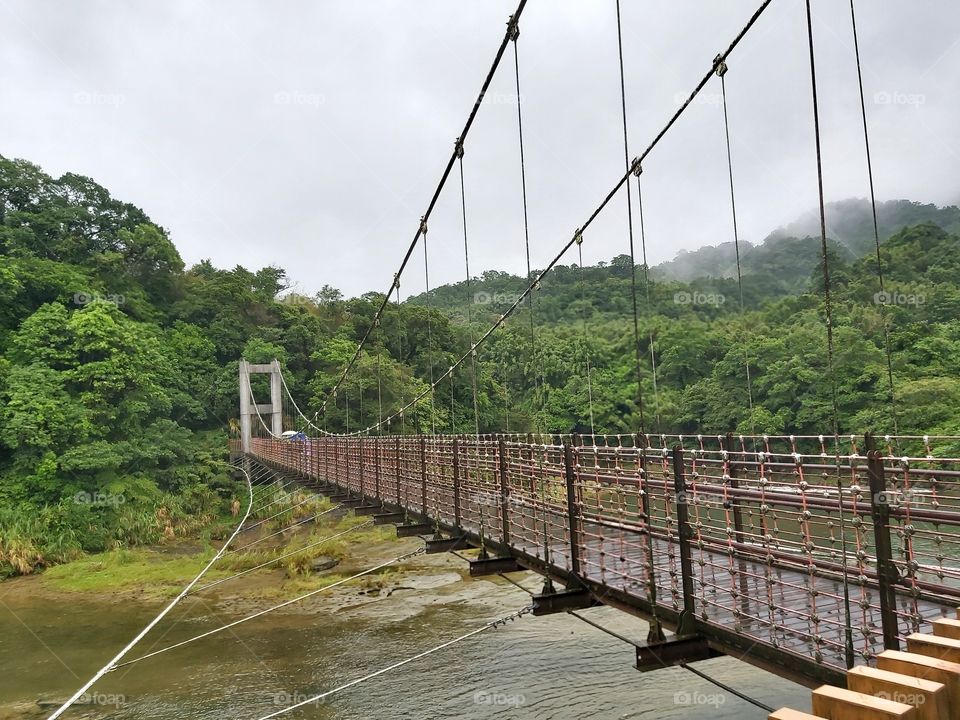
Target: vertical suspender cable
(876, 229)
(403, 426)
(633, 261)
(470, 299)
(537, 382)
(655, 628)
(426, 278)
(721, 72)
(828, 315)
(586, 336)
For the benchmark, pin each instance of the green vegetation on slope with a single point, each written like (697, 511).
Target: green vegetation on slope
(118, 365)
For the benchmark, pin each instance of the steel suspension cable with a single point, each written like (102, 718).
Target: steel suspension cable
(876, 228)
(297, 551)
(317, 698)
(586, 336)
(436, 194)
(470, 298)
(400, 358)
(828, 316)
(283, 530)
(261, 613)
(685, 666)
(633, 261)
(426, 279)
(656, 630)
(538, 380)
(609, 196)
(112, 664)
(722, 72)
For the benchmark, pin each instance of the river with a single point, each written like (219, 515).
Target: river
(555, 668)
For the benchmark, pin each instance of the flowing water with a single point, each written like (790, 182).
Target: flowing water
(554, 667)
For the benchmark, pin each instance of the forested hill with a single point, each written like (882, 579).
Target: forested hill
(118, 365)
(790, 253)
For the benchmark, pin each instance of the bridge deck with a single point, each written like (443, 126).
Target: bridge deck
(766, 551)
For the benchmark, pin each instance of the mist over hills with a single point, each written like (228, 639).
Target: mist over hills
(791, 251)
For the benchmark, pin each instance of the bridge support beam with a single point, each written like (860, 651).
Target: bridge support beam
(674, 651)
(442, 545)
(367, 509)
(563, 600)
(388, 518)
(493, 566)
(414, 529)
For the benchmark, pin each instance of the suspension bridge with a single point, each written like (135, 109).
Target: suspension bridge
(828, 559)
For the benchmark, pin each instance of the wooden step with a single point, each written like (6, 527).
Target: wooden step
(836, 703)
(788, 714)
(934, 646)
(928, 668)
(947, 627)
(927, 696)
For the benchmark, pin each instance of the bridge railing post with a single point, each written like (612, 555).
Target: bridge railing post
(376, 467)
(423, 475)
(362, 469)
(456, 482)
(687, 624)
(887, 574)
(737, 511)
(399, 473)
(570, 476)
(504, 488)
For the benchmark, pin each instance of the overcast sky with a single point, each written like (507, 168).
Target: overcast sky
(311, 134)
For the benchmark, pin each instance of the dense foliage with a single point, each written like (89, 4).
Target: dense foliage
(118, 365)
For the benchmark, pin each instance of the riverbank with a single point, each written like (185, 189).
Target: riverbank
(154, 574)
(62, 626)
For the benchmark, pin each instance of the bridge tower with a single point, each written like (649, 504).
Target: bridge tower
(272, 412)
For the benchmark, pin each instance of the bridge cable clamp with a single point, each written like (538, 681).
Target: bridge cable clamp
(578, 237)
(513, 29)
(720, 66)
(423, 224)
(636, 168)
(458, 148)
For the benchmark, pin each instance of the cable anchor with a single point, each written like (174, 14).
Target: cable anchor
(513, 29)
(720, 66)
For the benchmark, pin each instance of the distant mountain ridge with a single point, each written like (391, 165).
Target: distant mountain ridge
(792, 251)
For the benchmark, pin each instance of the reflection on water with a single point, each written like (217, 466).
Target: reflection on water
(552, 668)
